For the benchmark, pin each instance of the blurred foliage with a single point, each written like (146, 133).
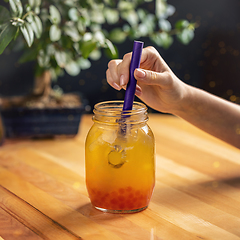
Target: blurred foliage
(65, 35)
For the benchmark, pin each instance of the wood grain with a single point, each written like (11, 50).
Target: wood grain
(32, 218)
(12, 229)
(197, 194)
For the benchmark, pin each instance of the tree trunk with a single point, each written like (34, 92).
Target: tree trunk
(41, 91)
(42, 85)
(42, 96)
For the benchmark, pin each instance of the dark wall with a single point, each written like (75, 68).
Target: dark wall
(211, 61)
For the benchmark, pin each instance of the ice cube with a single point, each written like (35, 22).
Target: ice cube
(109, 136)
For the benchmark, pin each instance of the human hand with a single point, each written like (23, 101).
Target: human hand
(157, 85)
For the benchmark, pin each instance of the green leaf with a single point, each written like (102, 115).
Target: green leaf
(112, 50)
(27, 33)
(99, 37)
(70, 30)
(16, 7)
(55, 16)
(81, 27)
(55, 33)
(61, 58)
(50, 49)
(37, 10)
(34, 3)
(131, 17)
(13, 7)
(180, 24)
(141, 14)
(35, 23)
(72, 68)
(29, 17)
(2, 26)
(185, 36)
(95, 54)
(43, 59)
(30, 33)
(111, 15)
(73, 14)
(31, 3)
(38, 2)
(117, 35)
(164, 25)
(169, 11)
(97, 16)
(4, 15)
(70, 3)
(6, 36)
(163, 10)
(125, 6)
(162, 39)
(84, 63)
(160, 8)
(142, 29)
(87, 47)
(37, 26)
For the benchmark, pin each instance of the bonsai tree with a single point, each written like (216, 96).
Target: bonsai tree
(63, 36)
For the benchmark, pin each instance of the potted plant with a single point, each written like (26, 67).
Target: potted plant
(64, 36)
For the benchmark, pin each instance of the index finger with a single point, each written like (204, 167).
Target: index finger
(123, 69)
(152, 60)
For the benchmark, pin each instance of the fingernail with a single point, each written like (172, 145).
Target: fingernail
(138, 92)
(116, 86)
(140, 73)
(122, 83)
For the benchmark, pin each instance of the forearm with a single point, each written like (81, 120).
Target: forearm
(160, 89)
(212, 114)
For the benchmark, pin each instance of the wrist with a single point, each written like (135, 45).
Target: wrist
(185, 102)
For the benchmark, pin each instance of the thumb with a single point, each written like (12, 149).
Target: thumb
(150, 77)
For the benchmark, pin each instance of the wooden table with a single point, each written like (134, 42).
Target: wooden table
(197, 193)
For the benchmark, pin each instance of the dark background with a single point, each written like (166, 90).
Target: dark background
(211, 61)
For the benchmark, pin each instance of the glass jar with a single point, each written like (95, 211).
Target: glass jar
(120, 158)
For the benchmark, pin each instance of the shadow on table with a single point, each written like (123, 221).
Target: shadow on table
(92, 213)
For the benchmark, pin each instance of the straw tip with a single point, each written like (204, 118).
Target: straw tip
(138, 42)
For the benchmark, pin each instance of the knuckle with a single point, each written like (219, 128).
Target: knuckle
(153, 75)
(107, 72)
(109, 76)
(169, 79)
(111, 63)
(153, 51)
(127, 56)
(150, 48)
(168, 76)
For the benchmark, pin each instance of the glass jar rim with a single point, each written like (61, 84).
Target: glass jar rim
(113, 110)
(117, 106)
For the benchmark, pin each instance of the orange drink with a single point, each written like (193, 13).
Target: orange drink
(120, 159)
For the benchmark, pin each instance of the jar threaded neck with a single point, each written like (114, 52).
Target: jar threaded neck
(111, 112)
